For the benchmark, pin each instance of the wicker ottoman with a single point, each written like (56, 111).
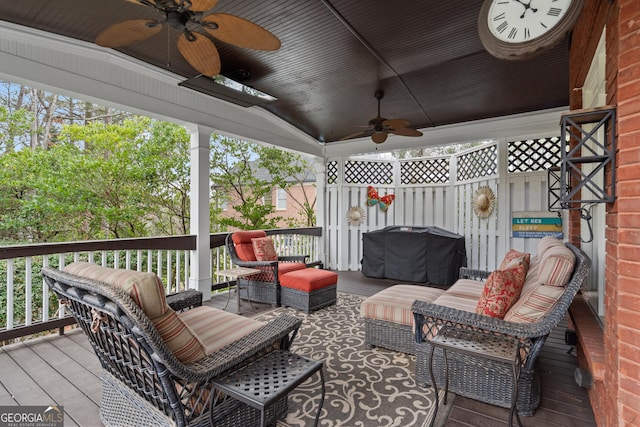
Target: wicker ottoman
(308, 289)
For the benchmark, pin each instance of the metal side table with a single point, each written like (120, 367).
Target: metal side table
(266, 381)
(237, 273)
(468, 342)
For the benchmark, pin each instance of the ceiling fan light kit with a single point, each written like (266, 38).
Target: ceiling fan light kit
(191, 17)
(381, 127)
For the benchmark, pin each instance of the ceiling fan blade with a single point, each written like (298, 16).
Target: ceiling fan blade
(141, 2)
(201, 53)
(357, 135)
(395, 123)
(406, 132)
(379, 137)
(128, 32)
(202, 5)
(240, 32)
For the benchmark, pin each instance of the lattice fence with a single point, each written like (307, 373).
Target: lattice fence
(332, 172)
(365, 172)
(426, 194)
(533, 154)
(477, 164)
(427, 171)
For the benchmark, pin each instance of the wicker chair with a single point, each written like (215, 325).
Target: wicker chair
(262, 287)
(482, 379)
(143, 382)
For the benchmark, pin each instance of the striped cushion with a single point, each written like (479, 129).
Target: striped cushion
(458, 302)
(466, 288)
(556, 266)
(145, 289)
(394, 303)
(532, 307)
(216, 328)
(180, 339)
(547, 242)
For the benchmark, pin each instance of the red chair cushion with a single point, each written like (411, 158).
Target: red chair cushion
(242, 242)
(288, 267)
(309, 279)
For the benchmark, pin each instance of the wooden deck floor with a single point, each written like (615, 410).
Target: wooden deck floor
(63, 370)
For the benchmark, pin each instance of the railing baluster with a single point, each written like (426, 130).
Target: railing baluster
(45, 292)
(159, 264)
(175, 271)
(28, 292)
(169, 272)
(10, 267)
(139, 260)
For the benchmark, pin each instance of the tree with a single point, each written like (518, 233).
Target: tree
(301, 174)
(247, 173)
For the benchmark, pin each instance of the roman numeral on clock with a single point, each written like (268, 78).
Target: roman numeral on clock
(554, 11)
(503, 26)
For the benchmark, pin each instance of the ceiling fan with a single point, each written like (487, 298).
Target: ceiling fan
(383, 127)
(188, 16)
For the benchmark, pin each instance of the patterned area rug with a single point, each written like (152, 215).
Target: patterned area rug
(363, 387)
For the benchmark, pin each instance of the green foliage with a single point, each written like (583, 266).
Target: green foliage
(13, 127)
(101, 181)
(248, 173)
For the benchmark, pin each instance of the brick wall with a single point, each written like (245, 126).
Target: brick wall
(616, 401)
(622, 339)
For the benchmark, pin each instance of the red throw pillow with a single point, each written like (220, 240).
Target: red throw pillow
(513, 255)
(264, 249)
(501, 291)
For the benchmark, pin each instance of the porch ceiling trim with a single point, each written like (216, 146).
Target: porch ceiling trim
(537, 124)
(104, 76)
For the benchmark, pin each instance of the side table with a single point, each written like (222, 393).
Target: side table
(237, 273)
(264, 382)
(482, 345)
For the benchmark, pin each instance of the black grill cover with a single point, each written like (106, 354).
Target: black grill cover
(413, 254)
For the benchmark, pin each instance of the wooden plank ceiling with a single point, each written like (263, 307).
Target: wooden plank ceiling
(425, 55)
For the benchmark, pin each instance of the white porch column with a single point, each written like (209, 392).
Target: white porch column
(320, 167)
(200, 277)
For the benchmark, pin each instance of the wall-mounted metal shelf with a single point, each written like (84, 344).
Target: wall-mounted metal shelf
(580, 146)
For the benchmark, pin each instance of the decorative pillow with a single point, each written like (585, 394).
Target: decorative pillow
(501, 291)
(556, 266)
(513, 258)
(530, 308)
(264, 250)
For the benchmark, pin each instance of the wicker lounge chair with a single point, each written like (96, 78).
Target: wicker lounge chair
(482, 379)
(143, 380)
(262, 287)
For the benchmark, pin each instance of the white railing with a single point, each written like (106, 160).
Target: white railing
(27, 306)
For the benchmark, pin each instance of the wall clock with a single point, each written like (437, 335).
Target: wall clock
(522, 29)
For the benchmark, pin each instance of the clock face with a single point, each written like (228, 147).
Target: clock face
(518, 21)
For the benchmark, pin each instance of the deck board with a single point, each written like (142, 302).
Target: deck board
(64, 370)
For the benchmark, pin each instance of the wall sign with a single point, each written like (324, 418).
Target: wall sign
(536, 225)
